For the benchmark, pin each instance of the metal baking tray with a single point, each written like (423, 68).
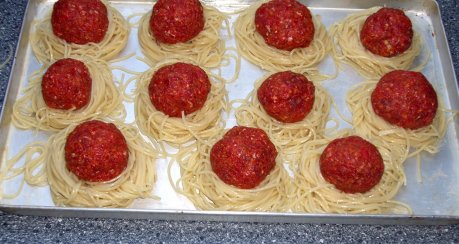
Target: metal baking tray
(434, 200)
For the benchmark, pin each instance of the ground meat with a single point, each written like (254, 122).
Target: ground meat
(174, 21)
(287, 96)
(285, 24)
(243, 157)
(66, 85)
(96, 151)
(387, 32)
(80, 21)
(352, 164)
(405, 99)
(179, 87)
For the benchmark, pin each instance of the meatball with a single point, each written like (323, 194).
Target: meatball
(285, 24)
(352, 164)
(175, 21)
(179, 87)
(387, 33)
(80, 21)
(243, 157)
(405, 99)
(66, 85)
(286, 96)
(96, 151)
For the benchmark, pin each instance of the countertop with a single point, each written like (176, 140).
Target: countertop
(15, 228)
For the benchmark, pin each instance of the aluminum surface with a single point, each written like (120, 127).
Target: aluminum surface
(434, 200)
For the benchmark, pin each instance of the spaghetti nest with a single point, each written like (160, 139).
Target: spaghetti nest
(206, 49)
(315, 195)
(349, 49)
(289, 137)
(251, 45)
(47, 47)
(30, 111)
(207, 192)
(136, 181)
(367, 123)
(199, 125)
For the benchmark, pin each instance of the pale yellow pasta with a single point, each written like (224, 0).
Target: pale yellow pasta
(207, 49)
(367, 123)
(136, 181)
(251, 45)
(289, 137)
(31, 112)
(48, 48)
(207, 192)
(199, 125)
(315, 195)
(347, 48)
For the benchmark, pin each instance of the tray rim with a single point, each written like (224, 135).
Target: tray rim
(232, 216)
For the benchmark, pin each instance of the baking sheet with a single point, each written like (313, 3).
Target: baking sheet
(433, 197)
